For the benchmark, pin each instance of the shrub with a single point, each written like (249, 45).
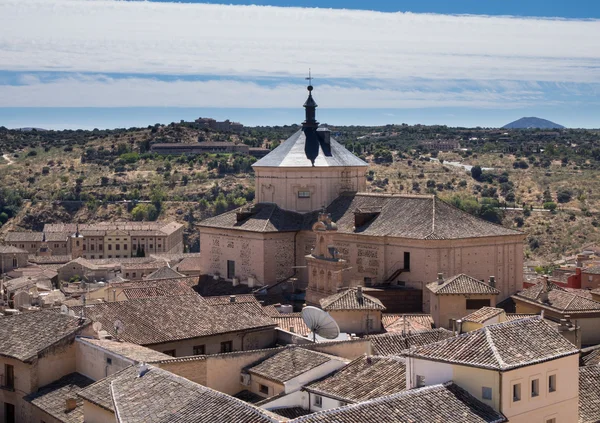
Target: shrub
(476, 172)
(550, 205)
(564, 195)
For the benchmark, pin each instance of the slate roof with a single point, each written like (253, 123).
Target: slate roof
(161, 396)
(52, 398)
(483, 314)
(402, 216)
(288, 364)
(559, 299)
(349, 299)
(128, 350)
(502, 346)
(363, 379)
(9, 249)
(589, 394)
(163, 319)
(23, 236)
(437, 403)
(164, 273)
(27, 335)
(291, 153)
(461, 284)
(398, 344)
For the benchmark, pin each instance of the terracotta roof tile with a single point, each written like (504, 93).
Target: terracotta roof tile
(128, 350)
(288, 364)
(9, 249)
(592, 359)
(502, 346)
(558, 299)
(483, 314)
(461, 284)
(407, 322)
(438, 403)
(292, 322)
(363, 379)
(24, 236)
(398, 343)
(52, 398)
(98, 393)
(350, 299)
(164, 272)
(589, 394)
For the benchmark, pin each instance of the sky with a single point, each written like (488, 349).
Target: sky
(106, 63)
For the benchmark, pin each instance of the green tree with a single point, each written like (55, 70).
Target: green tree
(476, 172)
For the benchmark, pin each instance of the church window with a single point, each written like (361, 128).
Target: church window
(303, 194)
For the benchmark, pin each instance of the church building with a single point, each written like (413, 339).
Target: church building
(313, 220)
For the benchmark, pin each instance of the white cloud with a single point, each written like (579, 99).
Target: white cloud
(171, 38)
(103, 91)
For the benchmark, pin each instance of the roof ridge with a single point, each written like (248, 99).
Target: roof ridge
(433, 216)
(495, 352)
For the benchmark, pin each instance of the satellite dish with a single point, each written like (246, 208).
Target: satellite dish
(64, 309)
(97, 326)
(71, 313)
(118, 326)
(320, 323)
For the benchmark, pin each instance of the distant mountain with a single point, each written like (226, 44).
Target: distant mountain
(532, 122)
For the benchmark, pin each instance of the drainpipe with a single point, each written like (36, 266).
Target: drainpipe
(500, 393)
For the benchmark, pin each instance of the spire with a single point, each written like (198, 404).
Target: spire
(310, 105)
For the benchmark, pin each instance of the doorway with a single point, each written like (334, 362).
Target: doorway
(9, 413)
(230, 269)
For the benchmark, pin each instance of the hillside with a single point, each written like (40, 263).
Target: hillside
(532, 123)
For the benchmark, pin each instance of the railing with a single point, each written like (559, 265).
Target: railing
(392, 273)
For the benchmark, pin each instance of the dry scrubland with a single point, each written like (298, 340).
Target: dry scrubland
(65, 183)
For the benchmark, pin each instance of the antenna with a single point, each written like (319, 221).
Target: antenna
(64, 309)
(320, 323)
(118, 326)
(97, 326)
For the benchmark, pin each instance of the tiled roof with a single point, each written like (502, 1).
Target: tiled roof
(483, 314)
(406, 322)
(24, 236)
(52, 398)
(291, 412)
(71, 228)
(462, 284)
(128, 350)
(163, 319)
(227, 299)
(98, 393)
(9, 249)
(292, 322)
(144, 266)
(288, 364)
(208, 287)
(403, 216)
(62, 259)
(592, 359)
(350, 299)
(189, 264)
(26, 282)
(589, 394)
(591, 270)
(291, 153)
(518, 316)
(25, 336)
(363, 379)
(158, 288)
(502, 346)
(398, 344)
(559, 299)
(57, 236)
(161, 396)
(164, 272)
(437, 403)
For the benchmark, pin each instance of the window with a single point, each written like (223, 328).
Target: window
(117, 247)
(100, 247)
(535, 388)
(199, 349)
(109, 247)
(9, 376)
(134, 274)
(134, 247)
(552, 383)
(230, 269)
(92, 247)
(77, 243)
(420, 381)
(406, 261)
(83, 247)
(159, 245)
(170, 352)
(150, 245)
(9, 413)
(368, 281)
(318, 401)
(15, 264)
(486, 393)
(369, 323)
(303, 194)
(477, 304)
(264, 389)
(93, 256)
(126, 274)
(108, 361)
(552, 420)
(517, 392)
(226, 346)
(124, 246)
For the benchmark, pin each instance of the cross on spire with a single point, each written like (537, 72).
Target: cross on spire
(309, 79)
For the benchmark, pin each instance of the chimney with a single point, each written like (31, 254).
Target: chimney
(493, 281)
(359, 292)
(232, 298)
(544, 293)
(440, 278)
(142, 369)
(70, 404)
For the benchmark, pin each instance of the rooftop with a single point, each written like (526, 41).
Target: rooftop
(589, 394)
(163, 319)
(363, 379)
(438, 403)
(9, 249)
(128, 350)
(98, 393)
(592, 359)
(23, 236)
(402, 216)
(461, 284)
(397, 322)
(52, 398)
(27, 335)
(351, 299)
(161, 396)
(483, 314)
(398, 343)
(559, 299)
(164, 272)
(163, 227)
(288, 364)
(502, 346)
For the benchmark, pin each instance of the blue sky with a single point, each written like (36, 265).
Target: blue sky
(105, 63)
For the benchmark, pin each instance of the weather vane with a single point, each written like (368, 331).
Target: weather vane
(309, 79)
